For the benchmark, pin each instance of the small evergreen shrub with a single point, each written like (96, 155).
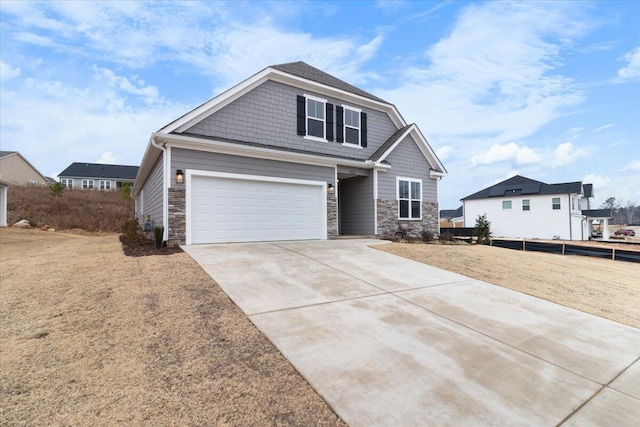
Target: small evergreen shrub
(158, 234)
(56, 189)
(483, 230)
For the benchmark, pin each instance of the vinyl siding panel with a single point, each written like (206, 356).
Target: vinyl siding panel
(541, 221)
(267, 115)
(216, 162)
(153, 195)
(407, 161)
(356, 205)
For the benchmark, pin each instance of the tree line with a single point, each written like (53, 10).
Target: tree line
(623, 213)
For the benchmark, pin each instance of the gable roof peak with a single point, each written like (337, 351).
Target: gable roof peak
(306, 71)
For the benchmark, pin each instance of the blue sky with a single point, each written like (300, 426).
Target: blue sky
(548, 90)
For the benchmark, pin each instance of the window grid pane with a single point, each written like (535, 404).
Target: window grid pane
(409, 199)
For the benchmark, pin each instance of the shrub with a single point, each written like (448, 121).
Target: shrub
(56, 189)
(446, 236)
(125, 191)
(158, 234)
(427, 235)
(483, 230)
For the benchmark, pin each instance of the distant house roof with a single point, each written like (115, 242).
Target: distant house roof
(6, 153)
(451, 213)
(50, 180)
(98, 170)
(306, 71)
(521, 186)
(597, 213)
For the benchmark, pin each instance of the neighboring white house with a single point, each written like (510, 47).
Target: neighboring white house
(524, 208)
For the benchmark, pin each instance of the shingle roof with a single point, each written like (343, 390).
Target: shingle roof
(451, 213)
(308, 72)
(597, 213)
(6, 153)
(389, 143)
(519, 185)
(98, 170)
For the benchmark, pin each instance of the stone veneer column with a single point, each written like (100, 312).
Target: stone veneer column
(389, 225)
(177, 211)
(332, 216)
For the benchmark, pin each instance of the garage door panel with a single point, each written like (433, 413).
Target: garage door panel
(240, 210)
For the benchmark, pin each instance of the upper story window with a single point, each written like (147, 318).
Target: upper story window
(526, 205)
(315, 117)
(555, 203)
(409, 198)
(506, 204)
(351, 126)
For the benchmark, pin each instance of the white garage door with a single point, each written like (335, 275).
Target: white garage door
(244, 210)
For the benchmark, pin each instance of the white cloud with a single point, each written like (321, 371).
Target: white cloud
(631, 71)
(150, 93)
(496, 77)
(8, 72)
(444, 152)
(511, 151)
(634, 165)
(603, 127)
(107, 158)
(566, 154)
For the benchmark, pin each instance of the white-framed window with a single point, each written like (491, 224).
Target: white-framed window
(32, 183)
(67, 182)
(526, 205)
(506, 204)
(105, 185)
(87, 184)
(555, 203)
(316, 108)
(409, 198)
(351, 126)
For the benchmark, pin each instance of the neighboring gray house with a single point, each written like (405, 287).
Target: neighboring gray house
(97, 176)
(291, 153)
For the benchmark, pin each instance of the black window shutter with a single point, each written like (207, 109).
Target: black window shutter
(302, 116)
(339, 124)
(363, 123)
(329, 122)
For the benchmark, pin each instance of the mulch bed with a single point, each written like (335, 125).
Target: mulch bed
(140, 246)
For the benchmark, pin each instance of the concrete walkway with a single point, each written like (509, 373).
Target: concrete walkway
(387, 341)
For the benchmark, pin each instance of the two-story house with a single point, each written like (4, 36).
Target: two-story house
(97, 176)
(526, 208)
(291, 153)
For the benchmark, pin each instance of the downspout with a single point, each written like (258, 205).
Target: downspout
(165, 195)
(570, 218)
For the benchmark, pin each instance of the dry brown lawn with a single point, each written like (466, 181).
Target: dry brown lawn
(91, 337)
(610, 289)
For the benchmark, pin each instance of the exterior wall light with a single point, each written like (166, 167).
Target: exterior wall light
(179, 176)
(331, 189)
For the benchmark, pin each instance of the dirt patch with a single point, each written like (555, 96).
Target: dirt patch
(92, 337)
(610, 289)
(138, 247)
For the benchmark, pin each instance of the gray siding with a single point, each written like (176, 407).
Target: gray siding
(356, 205)
(267, 115)
(153, 194)
(407, 161)
(216, 162)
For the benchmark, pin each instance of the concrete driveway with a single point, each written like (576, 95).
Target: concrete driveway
(388, 341)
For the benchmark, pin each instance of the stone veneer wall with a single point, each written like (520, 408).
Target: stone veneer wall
(389, 225)
(332, 216)
(177, 211)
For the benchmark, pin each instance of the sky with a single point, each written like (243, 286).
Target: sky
(547, 90)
